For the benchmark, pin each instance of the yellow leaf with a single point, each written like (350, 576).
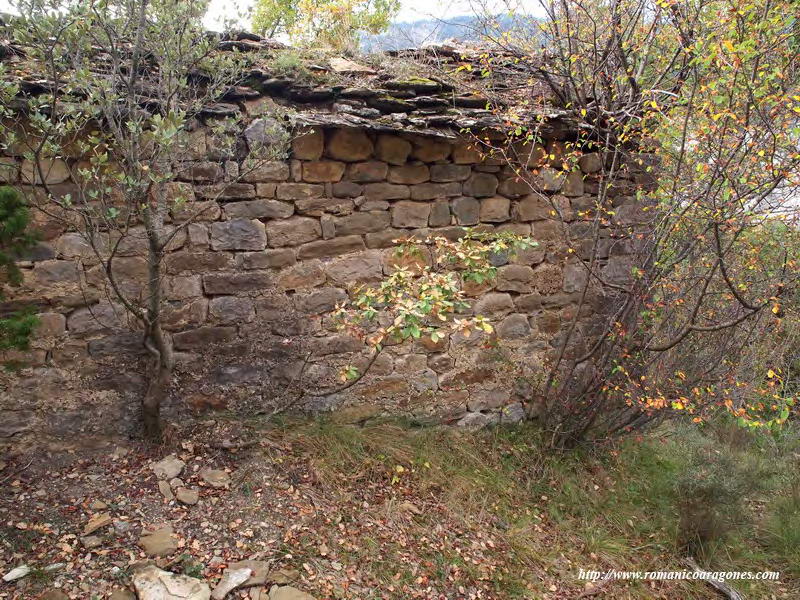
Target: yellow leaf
(770, 373)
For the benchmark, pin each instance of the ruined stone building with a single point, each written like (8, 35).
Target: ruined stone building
(382, 151)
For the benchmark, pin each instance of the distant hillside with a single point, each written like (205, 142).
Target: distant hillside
(416, 33)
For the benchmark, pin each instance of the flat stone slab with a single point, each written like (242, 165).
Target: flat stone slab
(159, 542)
(151, 583)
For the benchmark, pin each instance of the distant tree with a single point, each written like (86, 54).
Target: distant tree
(15, 329)
(333, 23)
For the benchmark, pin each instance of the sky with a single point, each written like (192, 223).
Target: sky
(410, 10)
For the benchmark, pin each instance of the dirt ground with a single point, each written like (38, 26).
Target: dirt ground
(357, 534)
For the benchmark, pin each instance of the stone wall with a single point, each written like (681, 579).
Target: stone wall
(249, 284)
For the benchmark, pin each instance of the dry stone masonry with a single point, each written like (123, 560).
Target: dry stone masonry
(251, 282)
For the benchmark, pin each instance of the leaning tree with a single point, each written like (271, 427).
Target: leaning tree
(121, 90)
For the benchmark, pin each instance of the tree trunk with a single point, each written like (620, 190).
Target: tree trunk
(157, 390)
(160, 380)
(155, 341)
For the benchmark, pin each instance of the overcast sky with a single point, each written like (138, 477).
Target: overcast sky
(410, 10)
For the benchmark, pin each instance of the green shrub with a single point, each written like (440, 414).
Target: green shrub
(15, 328)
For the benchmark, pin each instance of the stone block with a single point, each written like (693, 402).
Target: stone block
(392, 149)
(467, 153)
(549, 180)
(270, 171)
(414, 262)
(618, 270)
(384, 238)
(218, 284)
(495, 210)
(591, 162)
(323, 171)
(197, 262)
(202, 337)
(513, 413)
(386, 191)
(183, 287)
(55, 272)
(488, 399)
(40, 251)
(481, 185)
(50, 171)
(50, 325)
(449, 172)
(349, 145)
(306, 274)
(514, 327)
(466, 210)
(575, 277)
(258, 209)
(293, 232)
(229, 310)
(264, 132)
(371, 205)
(430, 149)
(556, 153)
(514, 187)
(309, 144)
(178, 316)
(337, 344)
(320, 205)
(494, 305)
(319, 301)
(432, 191)
(331, 247)
(347, 189)
(441, 363)
(528, 154)
(410, 214)
(536, 207)
(409, 174)
(226, 191)
(362, 222)
(440, 213)
(177, 193)
(267, 259)
(238, 234)
(359, 268)
(367, 172)
(197, 236)
(207, 210)
(266, 190)
(515, 278)
(548, 231)
(299, 191)
(74, 245)
(573, 185)
(328, 226)
(92, 319)
(201, 171)
(116, 344)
